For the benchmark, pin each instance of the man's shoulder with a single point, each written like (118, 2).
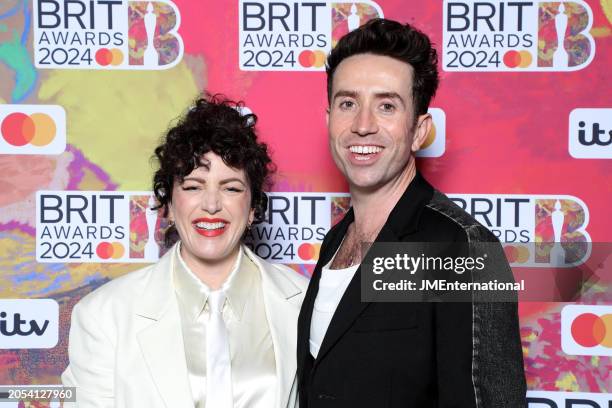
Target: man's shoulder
(449, 221)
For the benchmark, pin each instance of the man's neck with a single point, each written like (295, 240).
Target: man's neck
(372, 207)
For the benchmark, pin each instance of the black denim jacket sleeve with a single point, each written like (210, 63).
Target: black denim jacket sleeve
(482, 336)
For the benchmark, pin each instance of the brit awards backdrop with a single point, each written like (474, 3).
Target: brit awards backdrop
(522, 140)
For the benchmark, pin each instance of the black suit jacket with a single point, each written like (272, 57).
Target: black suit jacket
(412, 354)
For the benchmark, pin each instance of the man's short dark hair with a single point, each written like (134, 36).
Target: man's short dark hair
(392, 39)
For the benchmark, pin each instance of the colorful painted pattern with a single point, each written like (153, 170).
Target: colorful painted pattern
(506, 133)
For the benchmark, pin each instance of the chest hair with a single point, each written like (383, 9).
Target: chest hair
(350, 251)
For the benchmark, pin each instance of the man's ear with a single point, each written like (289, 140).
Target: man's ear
(423, 127)
(327, 117)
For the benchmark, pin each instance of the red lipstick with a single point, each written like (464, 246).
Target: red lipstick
(210, 232)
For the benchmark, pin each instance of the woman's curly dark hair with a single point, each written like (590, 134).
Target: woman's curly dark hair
(214, 124)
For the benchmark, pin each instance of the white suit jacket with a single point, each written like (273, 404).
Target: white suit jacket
(126, 347)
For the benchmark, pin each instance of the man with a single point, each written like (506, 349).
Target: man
(380, 80)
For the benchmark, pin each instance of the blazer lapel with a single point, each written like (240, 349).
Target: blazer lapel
(281, 298)
(329, 247)
(402, 220)
(350, 306)
(161, 339)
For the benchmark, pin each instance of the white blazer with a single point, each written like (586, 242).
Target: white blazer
(126, 347)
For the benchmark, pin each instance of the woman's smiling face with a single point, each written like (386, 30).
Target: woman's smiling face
(211, 209)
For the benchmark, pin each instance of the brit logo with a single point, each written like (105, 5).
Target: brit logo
(296, 35)
(102, 34)
(98, 226)
(560, 399)
(503, 35)
(536, 230)
(295, 226)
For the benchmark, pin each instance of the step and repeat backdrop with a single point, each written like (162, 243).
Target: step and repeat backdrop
(522, 140)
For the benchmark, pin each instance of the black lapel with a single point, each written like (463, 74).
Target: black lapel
(328, 249)
(350, 306)
(403, 219)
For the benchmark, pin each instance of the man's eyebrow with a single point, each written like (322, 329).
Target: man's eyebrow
(379, 95)
(390, 95)
(345, 93)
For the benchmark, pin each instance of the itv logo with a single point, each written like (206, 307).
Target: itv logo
(590, 133)
(28, 323)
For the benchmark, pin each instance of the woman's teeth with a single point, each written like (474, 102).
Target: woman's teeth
(210, 225)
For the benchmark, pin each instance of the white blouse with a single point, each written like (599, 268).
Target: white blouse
(253, 365)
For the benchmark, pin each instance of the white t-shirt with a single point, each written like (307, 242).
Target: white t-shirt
(332, 286)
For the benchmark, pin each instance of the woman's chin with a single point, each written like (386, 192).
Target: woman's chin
(213, 252)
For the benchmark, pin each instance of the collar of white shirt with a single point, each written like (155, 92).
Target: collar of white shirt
(193, 293)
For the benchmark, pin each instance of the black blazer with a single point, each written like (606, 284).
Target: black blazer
(412, 354)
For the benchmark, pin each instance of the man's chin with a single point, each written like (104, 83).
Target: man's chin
(365, 185)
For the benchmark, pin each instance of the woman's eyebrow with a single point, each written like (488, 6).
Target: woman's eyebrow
(194, 178)
(231, 179)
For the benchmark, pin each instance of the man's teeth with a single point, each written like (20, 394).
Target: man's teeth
(365, 149)
(210, 225)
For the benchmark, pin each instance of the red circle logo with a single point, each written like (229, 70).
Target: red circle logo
(108, 250)
(517, 59)
(19, 129)
(308, 58)
(308, 251)
(106, 56)
(590, 330)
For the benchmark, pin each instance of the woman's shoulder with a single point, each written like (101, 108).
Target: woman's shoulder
(294, 276)
(119, 291)
(129, 288)
(280, 271)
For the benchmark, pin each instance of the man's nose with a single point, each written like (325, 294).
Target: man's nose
(364, 122)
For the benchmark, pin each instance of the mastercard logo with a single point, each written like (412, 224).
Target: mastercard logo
(105, 57)
(308, 58)
(516, 253)
(110, 250)
(32, 129)
(309, 252)
(517, 59)
(590, 330)
(19, 129)
(587, 330)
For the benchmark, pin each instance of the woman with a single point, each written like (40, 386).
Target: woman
(211, 324)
